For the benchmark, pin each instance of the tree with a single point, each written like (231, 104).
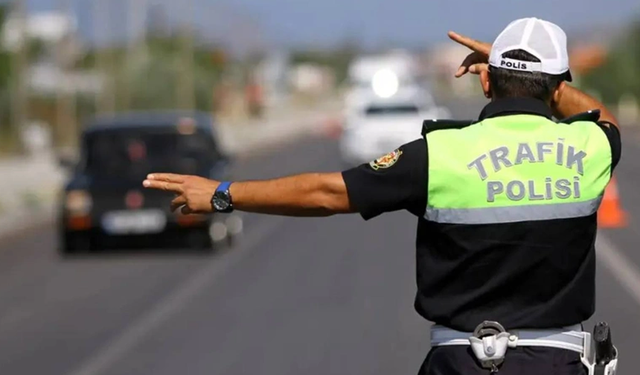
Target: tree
(151, 78)
(5, 56)
(5, 80)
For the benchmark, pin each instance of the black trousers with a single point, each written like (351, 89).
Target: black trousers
(460, 360)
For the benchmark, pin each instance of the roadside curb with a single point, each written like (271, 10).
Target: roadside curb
(15, 225)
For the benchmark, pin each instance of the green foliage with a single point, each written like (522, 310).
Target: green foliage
(36, 48)
(152, 78)
(5, 56)
(149, 76)
(619, 74)
(5, 81)
(5, 69)
(87, 61)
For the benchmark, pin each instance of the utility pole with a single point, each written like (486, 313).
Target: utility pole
(136, 23)
(105, 98)
(20, 61)
(143, 12)
(185, 82)
(67, 128)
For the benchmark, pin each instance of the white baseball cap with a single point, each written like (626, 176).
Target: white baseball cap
(543, 39)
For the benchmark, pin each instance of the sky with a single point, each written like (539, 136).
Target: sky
(373, 22)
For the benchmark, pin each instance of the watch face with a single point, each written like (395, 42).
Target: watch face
(220, 201)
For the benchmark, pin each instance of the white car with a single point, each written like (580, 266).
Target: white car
(375, 125)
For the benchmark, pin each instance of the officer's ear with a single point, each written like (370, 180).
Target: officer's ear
(485, 83)
(557, 93)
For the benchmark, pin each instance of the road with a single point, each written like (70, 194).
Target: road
(314, 296)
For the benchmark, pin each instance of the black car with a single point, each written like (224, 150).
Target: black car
(104, 204)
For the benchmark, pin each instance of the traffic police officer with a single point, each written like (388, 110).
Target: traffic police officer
(506, 209)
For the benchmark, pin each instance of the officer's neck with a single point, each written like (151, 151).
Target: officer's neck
(495, 98)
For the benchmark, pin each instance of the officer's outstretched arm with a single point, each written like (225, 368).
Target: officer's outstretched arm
(311, 194)
(570, 101)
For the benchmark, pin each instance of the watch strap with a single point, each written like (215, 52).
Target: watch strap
(223, 186)
(223, 189)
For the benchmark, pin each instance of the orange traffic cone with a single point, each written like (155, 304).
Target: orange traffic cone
(610, 213)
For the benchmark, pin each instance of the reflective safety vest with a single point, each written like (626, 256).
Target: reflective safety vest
(516, 168)
(509, 229)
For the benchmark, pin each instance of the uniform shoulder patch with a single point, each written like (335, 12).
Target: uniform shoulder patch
(386, 161)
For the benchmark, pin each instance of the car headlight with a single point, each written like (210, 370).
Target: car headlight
(385, 83)
(78, 202)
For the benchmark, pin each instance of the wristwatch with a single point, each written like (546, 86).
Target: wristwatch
(221, 200)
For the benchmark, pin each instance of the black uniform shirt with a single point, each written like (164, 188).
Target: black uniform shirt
(442, 294)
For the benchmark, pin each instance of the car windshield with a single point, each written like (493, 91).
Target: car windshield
(406, 109)
(133, 153)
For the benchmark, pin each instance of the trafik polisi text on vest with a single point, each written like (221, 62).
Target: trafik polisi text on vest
(539, 152)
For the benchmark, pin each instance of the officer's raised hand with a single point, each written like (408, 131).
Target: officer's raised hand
(476, 61)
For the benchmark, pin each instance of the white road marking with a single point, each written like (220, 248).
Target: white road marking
(622, 268)
(174, 301)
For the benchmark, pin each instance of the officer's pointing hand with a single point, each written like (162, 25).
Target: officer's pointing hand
(193, 193)
(476, 61)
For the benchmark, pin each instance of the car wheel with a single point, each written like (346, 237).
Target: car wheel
(200, 241)
(67, 250)
(74, 244)
(231, 241)
(235, 226)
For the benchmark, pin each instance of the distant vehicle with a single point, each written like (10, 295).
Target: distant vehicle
(104, 204)
(364, 68)
(385, 106)
(376, 124)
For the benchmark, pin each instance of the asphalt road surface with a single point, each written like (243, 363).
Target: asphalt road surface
(313, 296)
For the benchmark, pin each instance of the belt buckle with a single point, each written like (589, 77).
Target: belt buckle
(488, 328)
(489, 343)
